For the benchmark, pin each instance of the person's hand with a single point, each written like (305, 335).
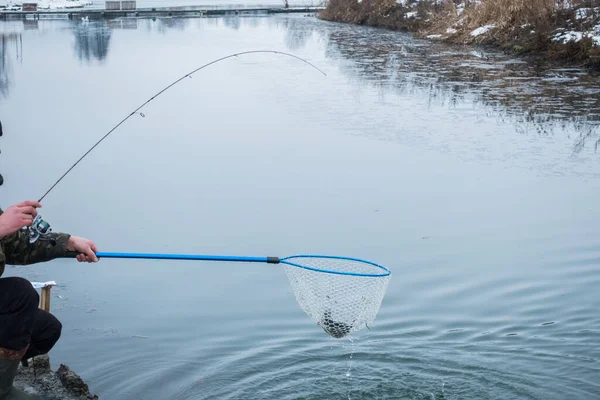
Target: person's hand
(17, 216)
(86, 248)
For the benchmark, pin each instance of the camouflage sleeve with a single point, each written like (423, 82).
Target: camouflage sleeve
(19, 251)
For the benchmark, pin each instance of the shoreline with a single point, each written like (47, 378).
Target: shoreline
(565, 37)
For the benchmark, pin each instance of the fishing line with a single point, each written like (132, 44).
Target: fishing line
(188, 75)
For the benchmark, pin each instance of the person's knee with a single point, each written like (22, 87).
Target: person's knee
(54, 329)
(46, 333)
(57, 330)
(25, 292)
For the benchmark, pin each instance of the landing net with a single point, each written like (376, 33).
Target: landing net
(342, 295)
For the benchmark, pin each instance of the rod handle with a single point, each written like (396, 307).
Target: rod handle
(73, 254)
(198, 257)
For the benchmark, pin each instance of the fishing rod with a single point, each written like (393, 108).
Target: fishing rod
(188, 75)
(340, 294)
(40, 227)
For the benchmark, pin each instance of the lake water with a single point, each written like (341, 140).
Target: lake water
(474, 179)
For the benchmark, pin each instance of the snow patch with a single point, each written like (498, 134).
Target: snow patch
(567, 37)
(583, 13)
(57, 4)
(434, 36)
(481, 30)
(450, 30)
(574, 36)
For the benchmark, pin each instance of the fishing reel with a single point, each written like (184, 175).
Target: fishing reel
(38, 229)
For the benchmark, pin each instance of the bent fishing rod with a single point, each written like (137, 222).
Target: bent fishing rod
(40, 227)
(188, 75)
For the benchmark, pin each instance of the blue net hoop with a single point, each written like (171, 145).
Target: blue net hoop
(359, 267)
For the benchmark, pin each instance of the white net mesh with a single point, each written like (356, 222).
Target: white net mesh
(340, 304)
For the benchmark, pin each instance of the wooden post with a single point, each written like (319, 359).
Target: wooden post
(45, 298)
(42, 362)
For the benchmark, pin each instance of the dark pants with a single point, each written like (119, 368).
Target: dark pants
(22, 322)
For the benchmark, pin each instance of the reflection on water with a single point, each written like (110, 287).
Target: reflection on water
(162, 25)
(537, 100)
(296, 35)
(91, 42)
(232, 22)
(122, 23)
(11, 48)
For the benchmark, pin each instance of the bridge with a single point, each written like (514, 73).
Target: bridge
(93, 13)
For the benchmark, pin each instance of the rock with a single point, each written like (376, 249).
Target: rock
(42, 364)
(73, 383)
(38, 378)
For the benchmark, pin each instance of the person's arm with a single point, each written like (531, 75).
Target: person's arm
(18, 250)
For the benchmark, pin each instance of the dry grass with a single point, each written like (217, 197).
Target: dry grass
(524, 25)
(437, 17)
(506, 14)
(582, 52)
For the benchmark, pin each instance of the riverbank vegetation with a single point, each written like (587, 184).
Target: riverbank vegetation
(561, 30)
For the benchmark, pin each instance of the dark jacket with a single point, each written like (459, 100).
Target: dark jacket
(15, 249)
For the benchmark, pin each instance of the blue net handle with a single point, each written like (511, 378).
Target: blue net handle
(295, 261)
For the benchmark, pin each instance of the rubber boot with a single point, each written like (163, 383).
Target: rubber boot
(8, 370)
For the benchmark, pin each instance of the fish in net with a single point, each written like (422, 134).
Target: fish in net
(342, 295)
